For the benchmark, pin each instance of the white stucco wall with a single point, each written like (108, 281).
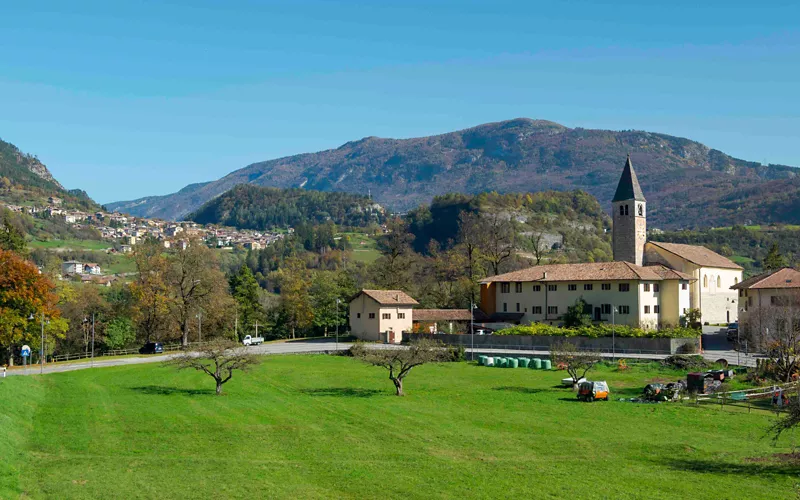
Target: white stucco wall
(636, 299)
(366, 328)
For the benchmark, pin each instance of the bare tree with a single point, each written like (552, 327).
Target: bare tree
(218, 359)
(499, 241)
(399, 361)
(537, 243)
(470, 239)
(577, 362)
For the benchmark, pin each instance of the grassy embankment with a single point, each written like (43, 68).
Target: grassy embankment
(322, 426)
(364, 247)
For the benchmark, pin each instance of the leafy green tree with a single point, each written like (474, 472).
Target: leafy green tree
(576, 315)
(120, 333)
(325, 291)
(774, 260)
(295, 302)
(246, 293)
(11, 238)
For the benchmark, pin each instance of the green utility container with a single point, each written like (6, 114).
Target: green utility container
(536, 363)
(482, 360)
(513, 363)
(489, 361)
(547, 365)
(524, 362)
(501, 362)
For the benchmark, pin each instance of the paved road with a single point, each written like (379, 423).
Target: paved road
(715, 347)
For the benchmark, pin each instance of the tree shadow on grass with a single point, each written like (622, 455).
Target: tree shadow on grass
(760, 465)
(345, 392)
(521, 390)
(168, 391)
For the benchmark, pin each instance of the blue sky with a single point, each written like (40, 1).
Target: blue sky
(127, 99)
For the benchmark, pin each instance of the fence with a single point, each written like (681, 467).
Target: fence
(759, 398)
(115, 352)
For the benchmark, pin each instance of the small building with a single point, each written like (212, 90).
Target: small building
(381, 315)
(769, 303)
(72, 267)
(54, 201)
(441, 320)
(92, 268)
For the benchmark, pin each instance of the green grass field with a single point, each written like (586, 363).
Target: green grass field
(329, 427)
(71, 244)
(364, 247)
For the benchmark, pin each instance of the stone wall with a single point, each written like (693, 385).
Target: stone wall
(533, 342)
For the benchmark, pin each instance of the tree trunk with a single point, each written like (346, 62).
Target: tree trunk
(292, 331)
(326, 330)
(185, 338)
(398, 385)
(219, 387)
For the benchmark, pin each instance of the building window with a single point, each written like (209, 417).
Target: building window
(684, 286)
(656, 288)
(705, 281)
(572, 288)
(624, 287)
(588, 287)
(750, 301)
(401, 315)
(505, 307)
(536, 309)
(624, 309)
(552, 288)
(552, 309)
(647, 309)
(641, 210)
(719, 282)
(621, 210)
(505, 287)
(518, 287)
(735, 280)
(647, 287)
(657, 309)
(386, 316)
(605, 308)
(517, 306)
(371, 315)
(605, 286)
(537, 288)
(358, 315)
(626, 209)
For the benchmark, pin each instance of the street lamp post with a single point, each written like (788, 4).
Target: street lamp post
(200, 326)
(41, 347)
(613, 334)
(337, 325)
(472, 331)
(92, 364)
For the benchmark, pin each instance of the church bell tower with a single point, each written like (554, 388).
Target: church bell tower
(629, 210)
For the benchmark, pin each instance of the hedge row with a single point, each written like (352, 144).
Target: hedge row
(595, 331)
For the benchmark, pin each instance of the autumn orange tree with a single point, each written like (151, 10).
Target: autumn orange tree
(150, 291)
(25, 293)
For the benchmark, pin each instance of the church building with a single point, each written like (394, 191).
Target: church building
(649, 284)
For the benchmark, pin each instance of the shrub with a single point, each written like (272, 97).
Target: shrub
(684, 362)
(596, 331)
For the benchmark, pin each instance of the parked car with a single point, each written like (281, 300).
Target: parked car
(732, 332)
(250, 340)
(152, 348)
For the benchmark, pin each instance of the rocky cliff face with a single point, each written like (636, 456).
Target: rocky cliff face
(24, 168)
(682, 179)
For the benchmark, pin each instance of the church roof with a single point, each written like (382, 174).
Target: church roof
(785, 277)
(591, 271)
(696, 254)
(628, 187)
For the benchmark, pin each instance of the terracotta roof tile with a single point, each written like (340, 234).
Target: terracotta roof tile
(699, 255)
(390, 297)
(441, 315)
(785, 277)
(593, 271)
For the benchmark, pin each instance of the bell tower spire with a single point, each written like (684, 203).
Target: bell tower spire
(629, 212)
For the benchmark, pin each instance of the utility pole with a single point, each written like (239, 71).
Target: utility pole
(256, 325)
(200, 326)
(236, 325)
(613, 334)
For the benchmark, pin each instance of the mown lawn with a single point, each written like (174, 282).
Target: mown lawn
(324, 426)
(71, 244)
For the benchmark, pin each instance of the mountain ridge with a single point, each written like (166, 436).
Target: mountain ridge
(681, 178)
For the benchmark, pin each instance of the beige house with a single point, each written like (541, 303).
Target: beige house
(381, 315)
(713, 276)
(622, 292)
(768, 304)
